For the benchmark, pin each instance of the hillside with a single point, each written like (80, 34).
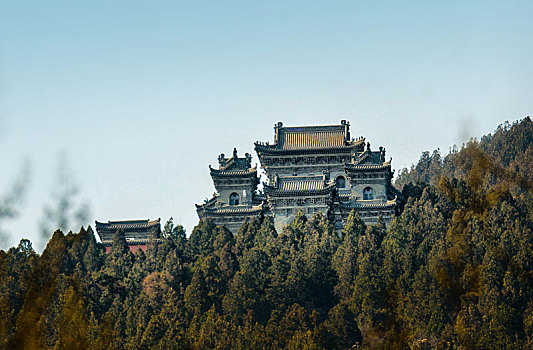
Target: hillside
(455, 269)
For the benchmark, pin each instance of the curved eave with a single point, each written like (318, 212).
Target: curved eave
(133, 242)
(239, 173)
(113, 230)
(111, 233)
(125, 225)
(395, 192)
(273, 150)
(235, 212)
(207, 203)
(273, 192)
(356, 206)
(371, 167)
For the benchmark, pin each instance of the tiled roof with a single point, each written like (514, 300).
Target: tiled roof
(261, 147)
(127, 224)
(133, 229)
(300, 185)
(237, 172)
(208, 203)
(234, 210)
(306, 138)
(369, 205)
(332, 136)
(368, 166)
(234, 162)
(132, 242)
(368, 157)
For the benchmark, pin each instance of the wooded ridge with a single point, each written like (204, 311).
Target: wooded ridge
(454, 270)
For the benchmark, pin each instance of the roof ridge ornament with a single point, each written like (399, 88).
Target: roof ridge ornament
(382, 154)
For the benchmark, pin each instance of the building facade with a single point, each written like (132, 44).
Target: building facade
(137, 232)
(236, 197)
(310, 169)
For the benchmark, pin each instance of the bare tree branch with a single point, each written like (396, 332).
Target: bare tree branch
(11, 201)
(66, 212)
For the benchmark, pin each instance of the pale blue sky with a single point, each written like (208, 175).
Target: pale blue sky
(144, 95)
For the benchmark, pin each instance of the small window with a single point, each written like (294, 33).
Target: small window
(368, 193)
(234, 199)
(340, 182)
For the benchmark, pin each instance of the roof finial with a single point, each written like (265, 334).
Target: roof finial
(277, 128)
(235, 152)
(368, 146)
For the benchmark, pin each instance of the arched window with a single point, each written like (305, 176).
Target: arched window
(368, 193)
(340, 182)
(234, 199)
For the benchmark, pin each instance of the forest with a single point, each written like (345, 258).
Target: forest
(453, 271)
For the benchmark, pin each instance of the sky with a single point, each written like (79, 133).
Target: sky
(134, 99)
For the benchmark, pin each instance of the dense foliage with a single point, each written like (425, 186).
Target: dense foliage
(455, 270)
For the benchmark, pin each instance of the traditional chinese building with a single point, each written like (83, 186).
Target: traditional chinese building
(235, 199)
(371, 191)
(323, 169)
(137, 232)
(310, 169)
(305, 168)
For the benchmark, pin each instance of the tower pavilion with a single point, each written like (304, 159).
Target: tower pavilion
(235, 199)
(137, 232)
(371, 191)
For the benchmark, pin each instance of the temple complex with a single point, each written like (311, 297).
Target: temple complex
(310, 169)
(313, 169)
(137, 232)
(236, 198)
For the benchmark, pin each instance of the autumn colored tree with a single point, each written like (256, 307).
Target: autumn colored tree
(453, 270)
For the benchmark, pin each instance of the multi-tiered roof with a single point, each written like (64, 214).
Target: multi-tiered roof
(369, 170)
(313, 169)
(234, 167)
(323, 169)
(236, 182)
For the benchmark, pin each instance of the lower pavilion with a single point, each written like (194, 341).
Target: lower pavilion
(137, 232)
